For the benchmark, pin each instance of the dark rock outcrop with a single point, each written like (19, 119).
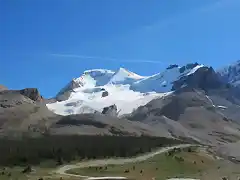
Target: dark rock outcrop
(104, 93)
(204, 78)
(188, 66)
(31, 93)
(110, 110)
(172, 66)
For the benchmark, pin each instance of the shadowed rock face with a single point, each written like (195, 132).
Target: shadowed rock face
(64, 94)
(204, 78)
(110, 110)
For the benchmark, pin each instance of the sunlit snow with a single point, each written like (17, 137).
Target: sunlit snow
(125, 89)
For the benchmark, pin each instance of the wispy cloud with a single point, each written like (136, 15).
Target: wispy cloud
(75, 56)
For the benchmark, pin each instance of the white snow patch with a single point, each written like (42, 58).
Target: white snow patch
(210, 100)
(123, 76)
(161, 82)
(125, 99)
(195, 69)
(222, 107)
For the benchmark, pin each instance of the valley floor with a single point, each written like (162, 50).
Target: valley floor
(198, 164)
(161, 165)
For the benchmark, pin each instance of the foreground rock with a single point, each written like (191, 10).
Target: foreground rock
(110, 110)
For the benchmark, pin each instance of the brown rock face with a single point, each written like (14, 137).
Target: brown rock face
(32, 93)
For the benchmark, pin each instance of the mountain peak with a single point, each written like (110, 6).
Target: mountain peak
(124, 76)
(99, 88)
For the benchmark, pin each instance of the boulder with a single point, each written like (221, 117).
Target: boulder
(110, 110)
(104, 93)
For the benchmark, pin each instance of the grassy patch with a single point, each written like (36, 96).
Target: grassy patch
(160, 167)
(15, 173)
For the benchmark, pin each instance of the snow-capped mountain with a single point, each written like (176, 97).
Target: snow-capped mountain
(99, 88)
(163, 82)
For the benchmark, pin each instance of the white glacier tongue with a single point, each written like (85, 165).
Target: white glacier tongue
(99, 88)
(161, 82)
(125, 99)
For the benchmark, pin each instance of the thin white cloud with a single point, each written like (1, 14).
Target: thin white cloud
(107, 58)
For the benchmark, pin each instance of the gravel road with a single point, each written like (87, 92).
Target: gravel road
(62, 170)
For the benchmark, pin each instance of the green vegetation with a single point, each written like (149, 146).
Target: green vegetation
(61, 149)
(175, 163)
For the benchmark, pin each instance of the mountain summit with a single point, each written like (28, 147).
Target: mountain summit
(99, 88)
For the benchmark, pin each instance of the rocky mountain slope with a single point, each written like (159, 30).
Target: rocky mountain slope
(192, 113)
(25, 111)
(22, 110)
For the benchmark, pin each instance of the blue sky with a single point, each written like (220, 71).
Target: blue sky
(45, 43)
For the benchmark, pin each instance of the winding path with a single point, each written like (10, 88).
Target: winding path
(62, 170)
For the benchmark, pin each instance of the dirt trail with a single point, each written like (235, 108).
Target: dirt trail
(62, 170)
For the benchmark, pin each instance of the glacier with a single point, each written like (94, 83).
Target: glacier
(126, 89)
